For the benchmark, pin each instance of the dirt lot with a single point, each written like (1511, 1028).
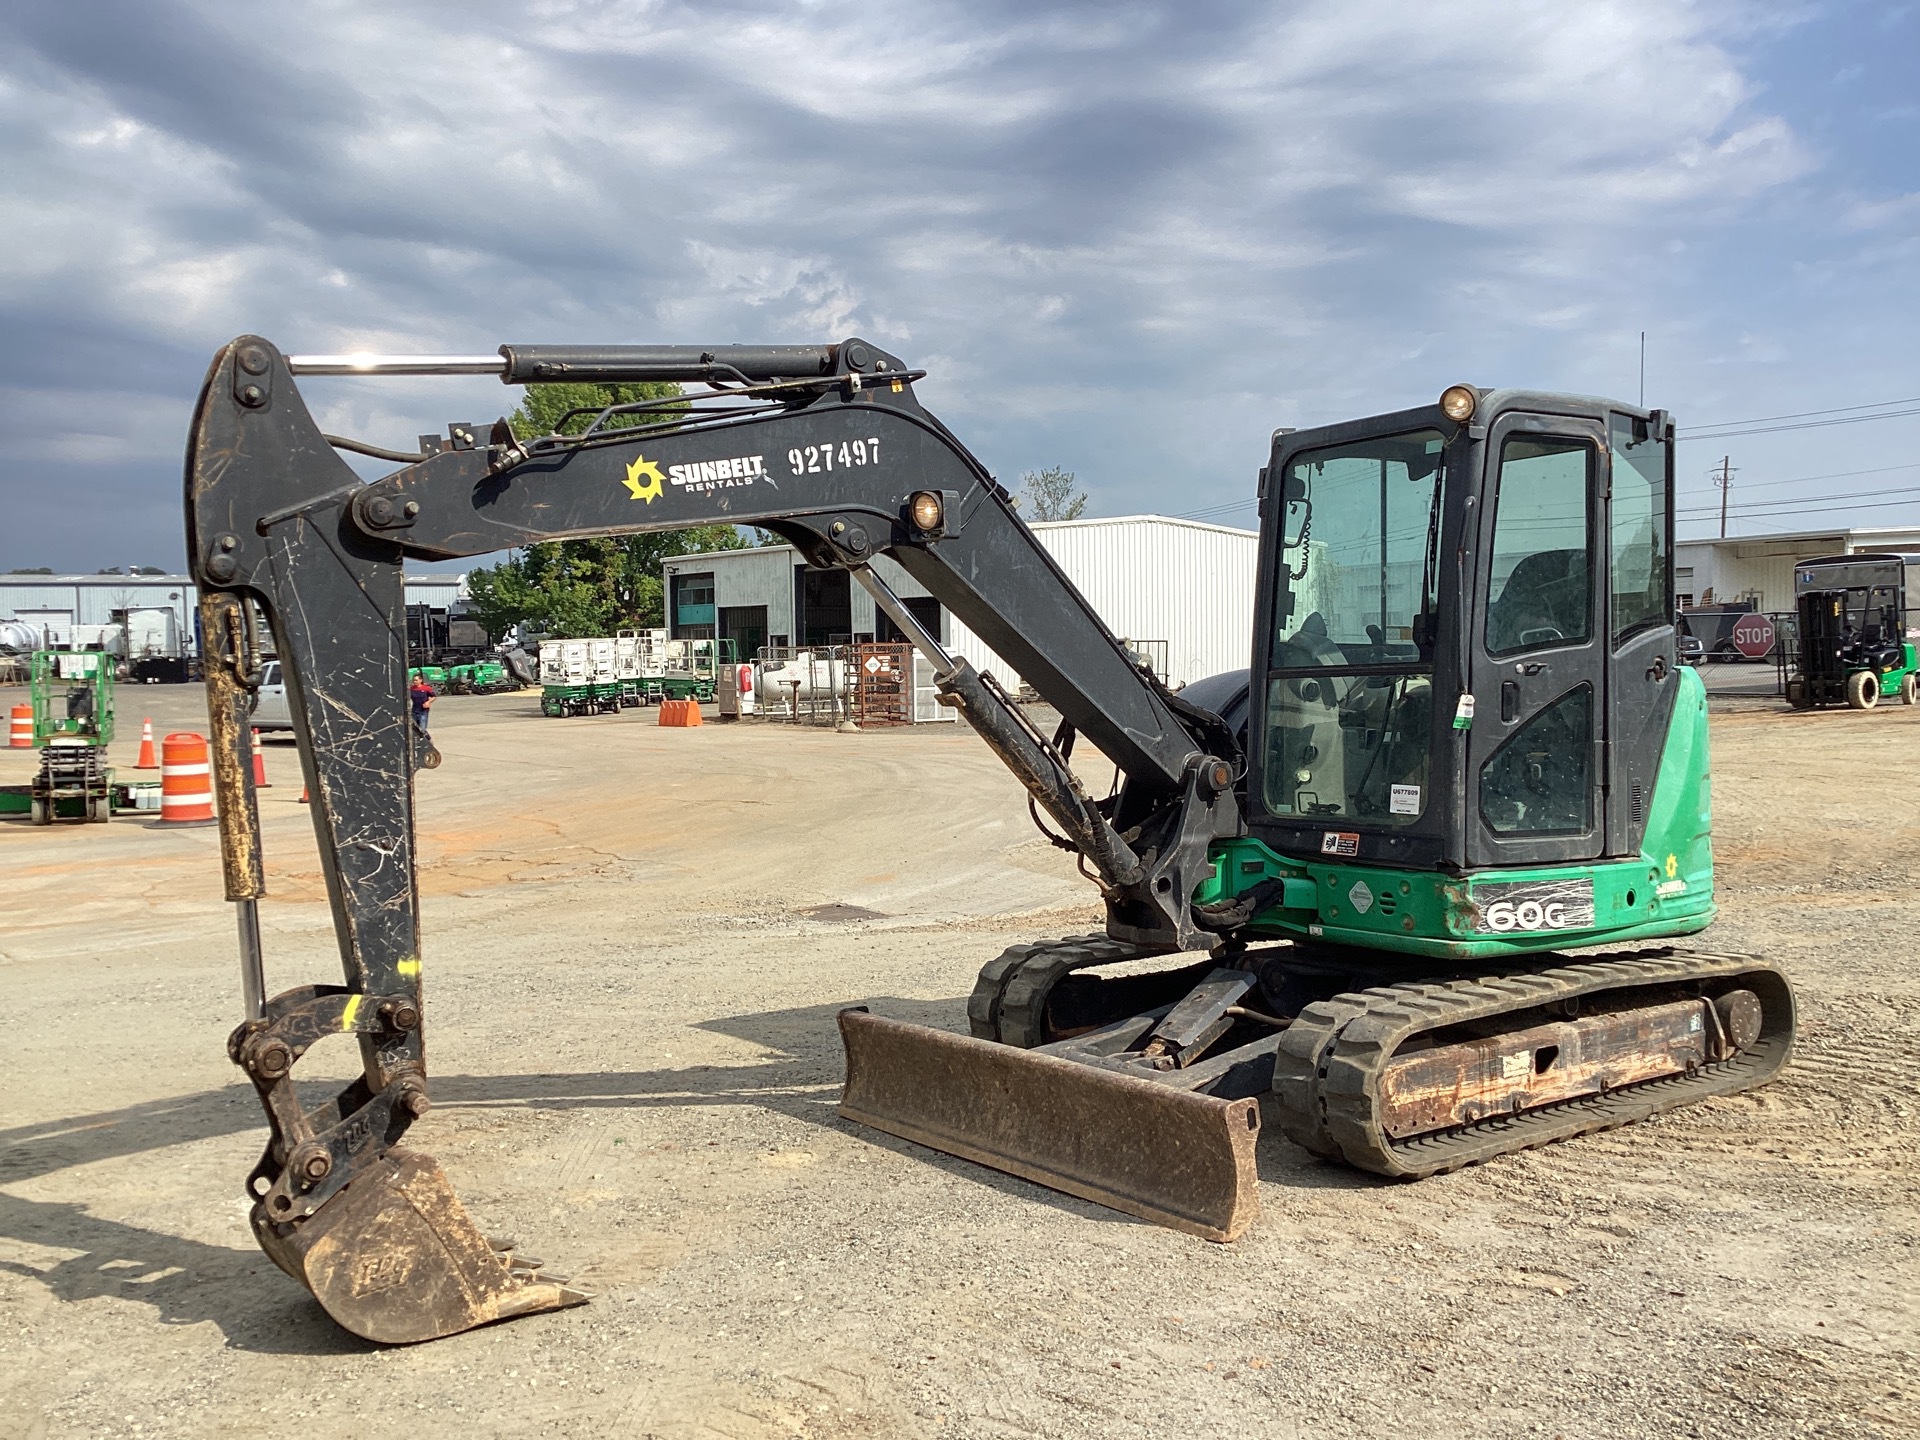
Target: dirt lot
(636, 1068)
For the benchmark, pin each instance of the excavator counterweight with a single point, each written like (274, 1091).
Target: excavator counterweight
(1462, 745)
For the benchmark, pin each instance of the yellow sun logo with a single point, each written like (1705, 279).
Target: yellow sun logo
(647, 489)
(1673, 866)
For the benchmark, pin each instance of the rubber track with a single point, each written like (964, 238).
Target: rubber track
(1328, 1071)
(1009, 1000)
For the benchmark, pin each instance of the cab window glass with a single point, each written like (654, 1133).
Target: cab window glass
(1539, 593)
(1639, 528)
(1350, 693)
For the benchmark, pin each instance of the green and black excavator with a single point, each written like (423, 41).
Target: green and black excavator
(1339, 883)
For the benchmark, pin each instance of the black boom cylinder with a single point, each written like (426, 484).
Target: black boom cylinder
(533, 364)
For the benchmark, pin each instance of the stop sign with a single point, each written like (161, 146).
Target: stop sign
(1753, 636)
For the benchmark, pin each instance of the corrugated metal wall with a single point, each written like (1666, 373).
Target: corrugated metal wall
(1154, 578)
(765, 577)
(92, 599)
(443, 591)
(1149, 577)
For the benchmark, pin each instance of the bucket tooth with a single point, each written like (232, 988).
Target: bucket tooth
(1172, 1156)
(394, 1258)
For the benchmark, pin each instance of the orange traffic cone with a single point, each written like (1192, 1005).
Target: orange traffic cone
(260, 781)
(304, 798)
(147, 760)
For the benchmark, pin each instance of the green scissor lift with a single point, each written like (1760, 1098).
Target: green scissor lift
(72, 725)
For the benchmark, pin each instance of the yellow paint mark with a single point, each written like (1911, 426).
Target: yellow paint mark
(409, 966)
(353, 1008)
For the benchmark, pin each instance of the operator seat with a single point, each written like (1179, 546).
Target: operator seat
(1544, 602)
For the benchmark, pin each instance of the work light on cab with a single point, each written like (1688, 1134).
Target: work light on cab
(1458, 403)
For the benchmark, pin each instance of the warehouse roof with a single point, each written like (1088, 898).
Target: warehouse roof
(1850, 536)
(1144, 520)
(35, 578)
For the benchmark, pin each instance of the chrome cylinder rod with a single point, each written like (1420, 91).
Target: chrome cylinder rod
(253, 970)
(396, 364)
(909, 624)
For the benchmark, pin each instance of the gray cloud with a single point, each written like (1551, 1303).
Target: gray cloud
(1130, 239)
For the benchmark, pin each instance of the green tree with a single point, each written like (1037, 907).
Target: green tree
(588, 587)
(1053, 494)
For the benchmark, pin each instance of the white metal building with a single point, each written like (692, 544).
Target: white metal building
(56, 604)
(1760, 567)
(1158, 582)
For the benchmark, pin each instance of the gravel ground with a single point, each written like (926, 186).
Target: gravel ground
(635, 1070)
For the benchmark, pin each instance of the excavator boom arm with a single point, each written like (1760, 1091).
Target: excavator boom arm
(826, 445)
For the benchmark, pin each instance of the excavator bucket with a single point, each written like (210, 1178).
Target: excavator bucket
(394, 1258)
(1166, 1154)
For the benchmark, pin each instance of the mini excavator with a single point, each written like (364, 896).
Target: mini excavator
(1462, 748)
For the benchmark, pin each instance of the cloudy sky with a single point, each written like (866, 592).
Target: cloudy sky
(1127, 239)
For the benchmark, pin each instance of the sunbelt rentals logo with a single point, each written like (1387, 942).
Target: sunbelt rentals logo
(643, 479)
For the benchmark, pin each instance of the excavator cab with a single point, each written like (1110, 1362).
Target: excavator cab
(1467, 666)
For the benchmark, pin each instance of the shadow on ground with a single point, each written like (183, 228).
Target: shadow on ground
(189, 1282)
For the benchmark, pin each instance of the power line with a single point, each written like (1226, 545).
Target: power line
(1834, 475)
(1226, 509)
(1802, 425)
(1792, 503)
(1799, 415)
(1852, 505)
(1682, 510)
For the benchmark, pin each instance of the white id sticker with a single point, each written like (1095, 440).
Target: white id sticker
(1404, 800)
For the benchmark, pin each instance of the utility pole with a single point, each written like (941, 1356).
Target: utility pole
(1723, 477)
(1643, 369)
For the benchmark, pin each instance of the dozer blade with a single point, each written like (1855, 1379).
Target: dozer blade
(394, 1258)
(1169, 1155)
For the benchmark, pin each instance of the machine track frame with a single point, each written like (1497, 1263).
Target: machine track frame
(1327, 1080)
(1327, 1073)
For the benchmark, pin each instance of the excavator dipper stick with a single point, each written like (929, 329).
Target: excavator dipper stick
(825, 444)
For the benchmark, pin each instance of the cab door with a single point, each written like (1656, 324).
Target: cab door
(1536, 748)
(1643, 680)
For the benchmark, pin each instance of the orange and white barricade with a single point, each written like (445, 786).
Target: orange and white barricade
(20, 728)
(186, 780)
